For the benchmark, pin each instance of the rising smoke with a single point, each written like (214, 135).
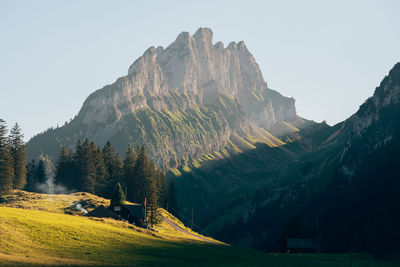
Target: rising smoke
(77, 206)
(49, 186)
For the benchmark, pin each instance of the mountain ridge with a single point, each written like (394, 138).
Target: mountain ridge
(181, 102)
(340, 188)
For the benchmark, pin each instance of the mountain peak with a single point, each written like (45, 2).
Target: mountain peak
(183, 36)
(151, 50)
(241, 45)
(205, 34)
(195, 79)
(219, 45)
(232, 45)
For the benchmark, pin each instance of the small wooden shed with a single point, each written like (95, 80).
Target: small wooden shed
(134, 213)
(102, 212)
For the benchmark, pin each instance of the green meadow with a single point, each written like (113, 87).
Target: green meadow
(31, 237)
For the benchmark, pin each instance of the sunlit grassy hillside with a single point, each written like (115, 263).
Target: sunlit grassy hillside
(62, 203)
(35, 237)
(43, 237)
(59, 203)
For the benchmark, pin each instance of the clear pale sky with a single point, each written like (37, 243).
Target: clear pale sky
(328, 55)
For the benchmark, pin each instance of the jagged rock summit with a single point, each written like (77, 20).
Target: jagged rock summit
(189, 99)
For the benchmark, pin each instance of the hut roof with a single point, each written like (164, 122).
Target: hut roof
(102, 212)
(136, 210)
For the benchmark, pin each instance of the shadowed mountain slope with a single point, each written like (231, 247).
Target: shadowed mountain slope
(338, 185)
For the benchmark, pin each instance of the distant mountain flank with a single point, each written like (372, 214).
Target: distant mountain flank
(186, 100)
(336, 185)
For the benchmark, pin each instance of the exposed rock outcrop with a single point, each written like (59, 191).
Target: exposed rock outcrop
(181, 102)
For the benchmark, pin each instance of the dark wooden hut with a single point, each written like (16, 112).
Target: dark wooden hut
(134, 213)
(103, 212)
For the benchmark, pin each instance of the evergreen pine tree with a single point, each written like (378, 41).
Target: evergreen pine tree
(144, 181)
(36, 176)
(76, 181)
(129, 178)
(49, 173)
(118, 196)
(162, 187)
(6, 162)
(114, 167)
(62, 167)
(152, 196)
(18, 153)
(79, 159)
(86, 172)
(40, 173)
(90, 174)
(148, 185)
(31, 176)
(96, 159)
(143, 174)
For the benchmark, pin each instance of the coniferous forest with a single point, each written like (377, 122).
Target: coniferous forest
(94, 170)
(88, 168)
(12, 158)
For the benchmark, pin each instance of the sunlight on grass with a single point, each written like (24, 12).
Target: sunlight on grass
(30, 237)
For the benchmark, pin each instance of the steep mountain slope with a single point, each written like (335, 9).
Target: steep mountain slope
(189, 99)
(340, 186)
(222, 190)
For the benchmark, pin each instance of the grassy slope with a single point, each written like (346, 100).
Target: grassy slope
(52, 203)
(61, 203)
(35, 237)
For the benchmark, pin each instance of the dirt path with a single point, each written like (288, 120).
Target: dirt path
(176, 227)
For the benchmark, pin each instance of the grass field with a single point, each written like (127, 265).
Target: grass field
(30, 237)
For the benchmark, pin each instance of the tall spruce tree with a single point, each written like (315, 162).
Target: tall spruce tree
(152, 200)
(118, 196)
(31, 175)
(151, 190)
(86, 178)
(79, 159)
(100, 170)
(114, 167)
(40, 175)
(18, 153)
(64, 168)
(44, 175)
(148, 183)
(36, 176)
(162, 187)
(129, 178)
(6, 162)
(143, 174)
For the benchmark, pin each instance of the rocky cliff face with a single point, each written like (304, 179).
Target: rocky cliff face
(183, 101)
(373, 126)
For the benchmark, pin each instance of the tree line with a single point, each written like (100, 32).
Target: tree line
(88, 168)
(12, 158)
(94, 170)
